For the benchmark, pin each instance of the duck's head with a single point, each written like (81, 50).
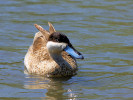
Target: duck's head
(58, 42)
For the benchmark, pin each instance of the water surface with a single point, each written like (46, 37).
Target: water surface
(101, 30)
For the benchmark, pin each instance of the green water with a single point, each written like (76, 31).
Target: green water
(102, 30)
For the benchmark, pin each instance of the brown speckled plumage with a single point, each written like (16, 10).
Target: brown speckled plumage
(38, 60)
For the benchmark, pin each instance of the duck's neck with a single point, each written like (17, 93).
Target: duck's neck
(59, 60)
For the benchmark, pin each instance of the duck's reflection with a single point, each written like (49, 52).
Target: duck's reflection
(56, 87)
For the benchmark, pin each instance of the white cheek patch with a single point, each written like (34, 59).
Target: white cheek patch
(55, 46)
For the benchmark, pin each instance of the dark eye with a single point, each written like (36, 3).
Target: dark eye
(56, 39)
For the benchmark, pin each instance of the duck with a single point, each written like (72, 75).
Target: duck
(51, 54)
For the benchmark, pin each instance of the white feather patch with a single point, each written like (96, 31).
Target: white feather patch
(54, 47)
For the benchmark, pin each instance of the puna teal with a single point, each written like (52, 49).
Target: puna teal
(51, 54)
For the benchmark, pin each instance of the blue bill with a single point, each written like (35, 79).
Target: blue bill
(70, 51)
